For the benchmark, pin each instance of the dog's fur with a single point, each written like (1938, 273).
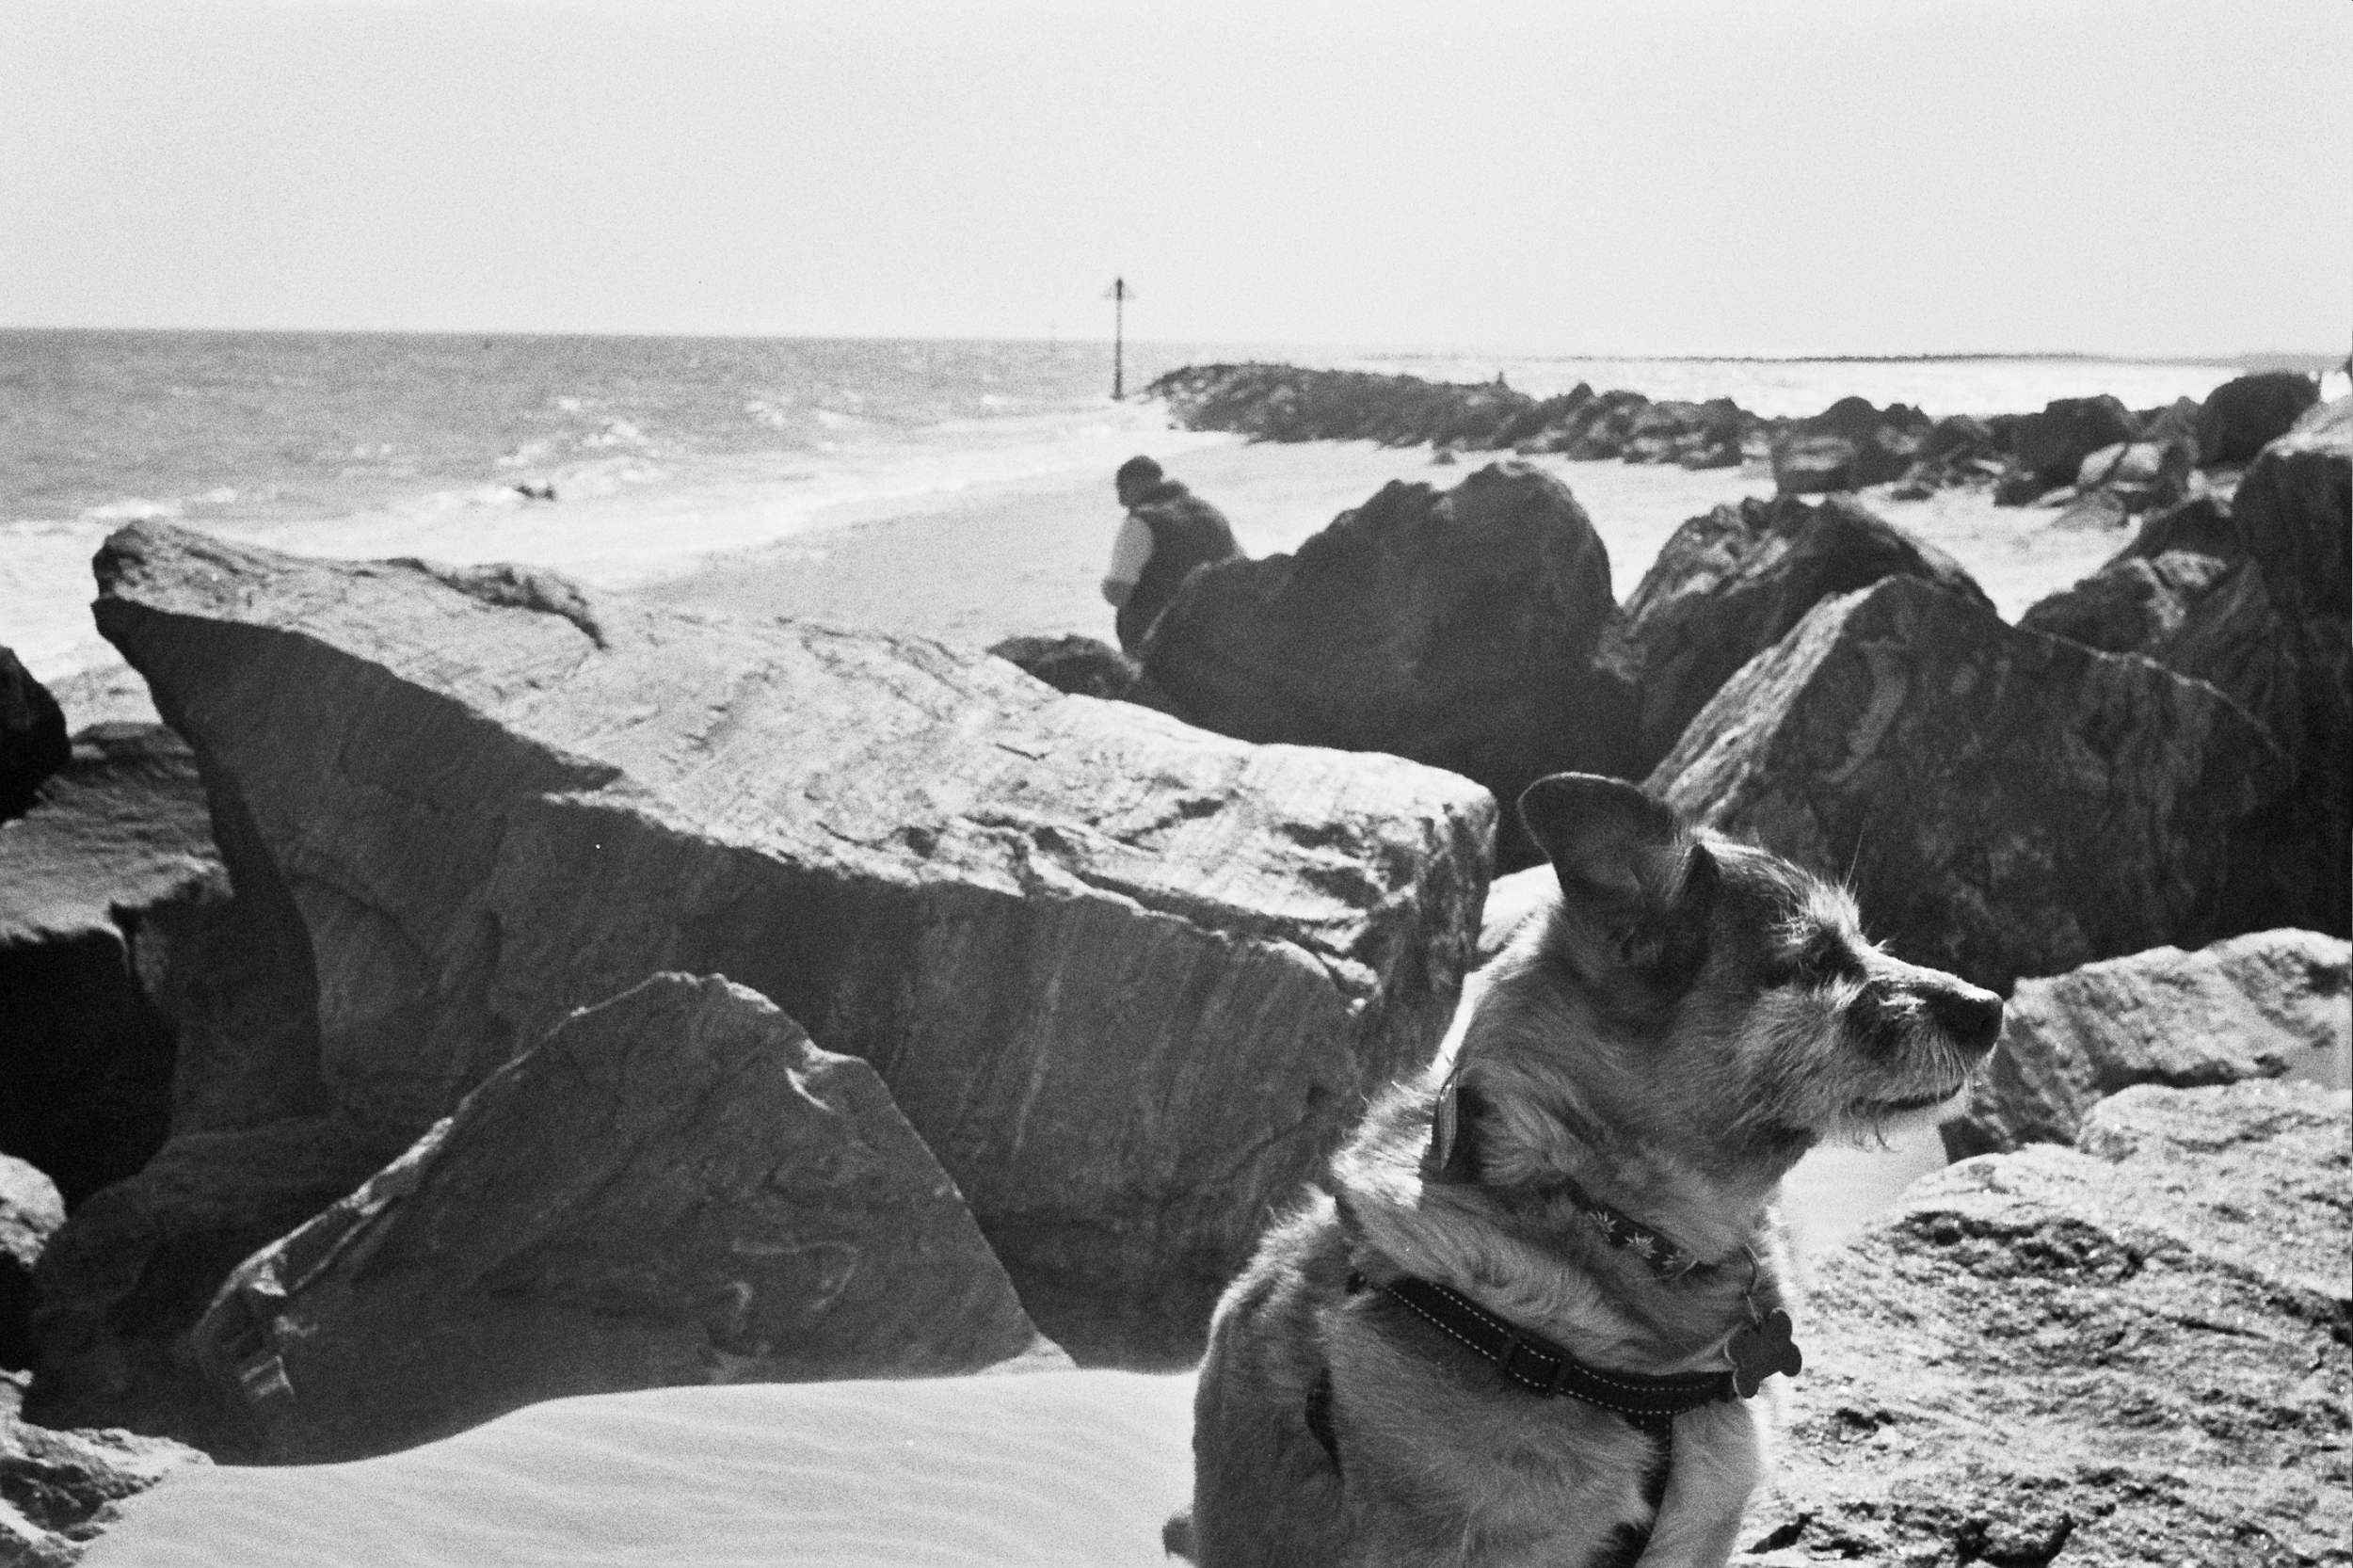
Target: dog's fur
(1686, 1020)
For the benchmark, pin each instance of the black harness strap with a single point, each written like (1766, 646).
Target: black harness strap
(1541, 1367)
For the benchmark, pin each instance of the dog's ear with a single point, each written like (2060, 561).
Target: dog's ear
(1636, 885)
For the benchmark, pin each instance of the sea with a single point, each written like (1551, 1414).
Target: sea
(622, 459)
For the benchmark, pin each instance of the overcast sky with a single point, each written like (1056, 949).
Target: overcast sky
(1680, 178)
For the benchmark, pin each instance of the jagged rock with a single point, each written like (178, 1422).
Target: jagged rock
(1847, 445)
(2003, 803)
(32, 735)
(2175, 424)
(59, 1489)
(750, 1209)
(2051, 446)
(2256, 601)
(2141, 463)
(86, 1057)
(1078, 666)
(1730, 584)
(2131, 602)
(489, 814)
(130, 1273)
(2253, 1006)
(2131, 1352)
(2244, 415)
(1812, 465)
(1457, 628)
(30, 1213)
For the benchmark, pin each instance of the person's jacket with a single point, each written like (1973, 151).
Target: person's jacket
(1187, 532)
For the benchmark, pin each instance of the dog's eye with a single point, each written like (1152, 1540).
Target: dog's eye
(1820, 957)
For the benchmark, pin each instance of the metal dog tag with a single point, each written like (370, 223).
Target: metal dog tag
(1441, 1127)
(1758, 1349)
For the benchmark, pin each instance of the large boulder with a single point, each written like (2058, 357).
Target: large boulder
(1731, 584)
(2253, 1006)
(32, 735)
(31, 1211)
(1062, 930)
(131, 1270)
(2132, 1351)
(61, 1489)
(2002, 803)
(2256, 602)
(119, 835)
(2244, 415)
(1457, 628)
(2051, 446)
(751, 1209)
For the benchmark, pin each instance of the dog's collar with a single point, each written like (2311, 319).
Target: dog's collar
(1666, 1257)
(1533, 1363)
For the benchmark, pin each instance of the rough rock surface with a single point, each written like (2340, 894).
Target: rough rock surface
(32, 735)
(1060, 929)
(1078, 666)
(58, 1490)
(1731, 584)
(2254, 598)
(2049, 448)
(30, 1213)
(750, 1209)
(1457, 628)
(128, 1276)
(2243, 416)
(2253, 1006)
(2002, 803)
(119, 834)
(2135, 1351)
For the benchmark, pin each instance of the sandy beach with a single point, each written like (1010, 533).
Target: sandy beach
(1001, 561)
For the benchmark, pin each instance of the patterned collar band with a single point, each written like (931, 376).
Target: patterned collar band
(1664, 1255)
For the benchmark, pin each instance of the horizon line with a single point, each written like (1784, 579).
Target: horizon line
(2327, 359)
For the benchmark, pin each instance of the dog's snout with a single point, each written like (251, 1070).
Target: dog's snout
(1972, 1016)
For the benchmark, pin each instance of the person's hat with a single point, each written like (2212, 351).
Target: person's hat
(1140, 471)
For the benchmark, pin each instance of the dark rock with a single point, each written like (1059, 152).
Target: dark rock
(485, 817)
(1731, 584)
(2244, 415)
(2002, 803)
(751, 1210)
(30, 1213)
(1457, 628)
(2175, 426)
(1960, 435)
(59, 1489)
(1886, 456)
(2131, 602)
(2052, 444)
(32, 736)
(2257, 603)
(1078, 666)
(2130, 1352)
(2278, 636)
(2130, 463)
(2253, 1006)
(2019, 487)
(1814, 464)
(120, 834)
(121, 1284)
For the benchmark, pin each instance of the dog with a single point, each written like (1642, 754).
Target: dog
(1530, 1317)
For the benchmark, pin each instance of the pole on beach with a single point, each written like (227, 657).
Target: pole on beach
(1119, 294)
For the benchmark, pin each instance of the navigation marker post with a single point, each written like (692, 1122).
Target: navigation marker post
(1118, 293)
